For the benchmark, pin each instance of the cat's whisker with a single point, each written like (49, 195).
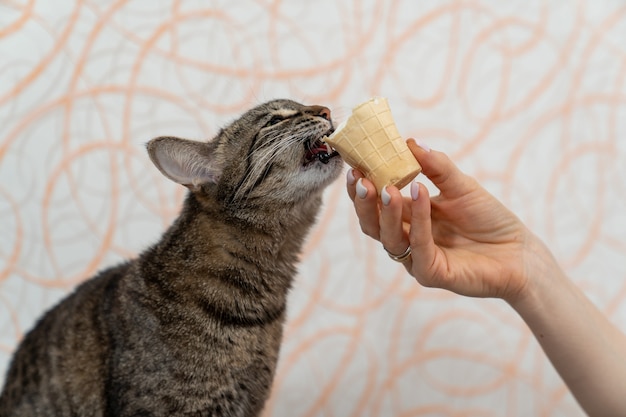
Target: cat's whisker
(270, 150)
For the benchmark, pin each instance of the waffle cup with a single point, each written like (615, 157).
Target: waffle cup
(369, 141)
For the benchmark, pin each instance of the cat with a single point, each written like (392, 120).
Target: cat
(193, 325)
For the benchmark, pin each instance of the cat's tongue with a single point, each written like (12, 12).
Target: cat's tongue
(321, 151)
(320, 147)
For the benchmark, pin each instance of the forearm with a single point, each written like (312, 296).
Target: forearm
(585, 348)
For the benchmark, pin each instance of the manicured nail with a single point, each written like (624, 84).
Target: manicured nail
(385, 197)
(415, 190)
(350, 177)
(361, 191)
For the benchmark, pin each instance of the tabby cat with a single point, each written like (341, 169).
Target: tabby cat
(193, 326)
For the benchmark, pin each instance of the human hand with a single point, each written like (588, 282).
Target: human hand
(466, 241)
(463, 240)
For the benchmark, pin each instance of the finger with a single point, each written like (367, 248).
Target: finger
(352, 177)
(421, 237)
(406, 211)
(366, 207)
(392, 234)
(443, 173)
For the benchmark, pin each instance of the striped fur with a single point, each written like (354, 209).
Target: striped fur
(191, 327)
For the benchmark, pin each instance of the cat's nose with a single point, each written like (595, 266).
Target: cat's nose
(325, 112)
(321, 111)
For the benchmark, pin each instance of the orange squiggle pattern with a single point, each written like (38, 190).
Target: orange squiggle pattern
(529, 97)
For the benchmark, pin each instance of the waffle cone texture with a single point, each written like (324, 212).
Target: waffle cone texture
(370, 142)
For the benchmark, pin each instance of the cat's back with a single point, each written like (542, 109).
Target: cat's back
(59, 365)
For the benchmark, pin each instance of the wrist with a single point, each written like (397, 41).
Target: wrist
(541, 275)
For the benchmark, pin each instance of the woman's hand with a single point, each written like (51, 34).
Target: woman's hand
(466, 241)
(463, 240)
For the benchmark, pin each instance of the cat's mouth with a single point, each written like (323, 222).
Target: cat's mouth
(318, 150)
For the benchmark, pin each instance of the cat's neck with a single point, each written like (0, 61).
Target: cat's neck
(208, 235)
(241, 266)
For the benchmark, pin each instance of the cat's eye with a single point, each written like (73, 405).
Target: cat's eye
(274, 120)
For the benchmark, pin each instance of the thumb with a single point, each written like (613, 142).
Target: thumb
(443, 173)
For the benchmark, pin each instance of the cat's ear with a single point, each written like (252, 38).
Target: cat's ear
(186, 162)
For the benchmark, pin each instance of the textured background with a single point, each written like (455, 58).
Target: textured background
(528, 96)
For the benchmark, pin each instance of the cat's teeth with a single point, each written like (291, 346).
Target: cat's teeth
(329, 148)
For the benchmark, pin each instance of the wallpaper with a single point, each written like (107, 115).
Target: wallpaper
(529, 97)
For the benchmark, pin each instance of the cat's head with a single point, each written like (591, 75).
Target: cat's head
(272, 153)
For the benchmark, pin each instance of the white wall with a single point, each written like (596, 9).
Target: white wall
(527, 96)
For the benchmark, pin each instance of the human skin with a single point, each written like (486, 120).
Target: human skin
(465, 241)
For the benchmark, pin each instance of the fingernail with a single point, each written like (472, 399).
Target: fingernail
(415, 190)
(361, 191)
(421, 144)
(350, 177)
(385, 197)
